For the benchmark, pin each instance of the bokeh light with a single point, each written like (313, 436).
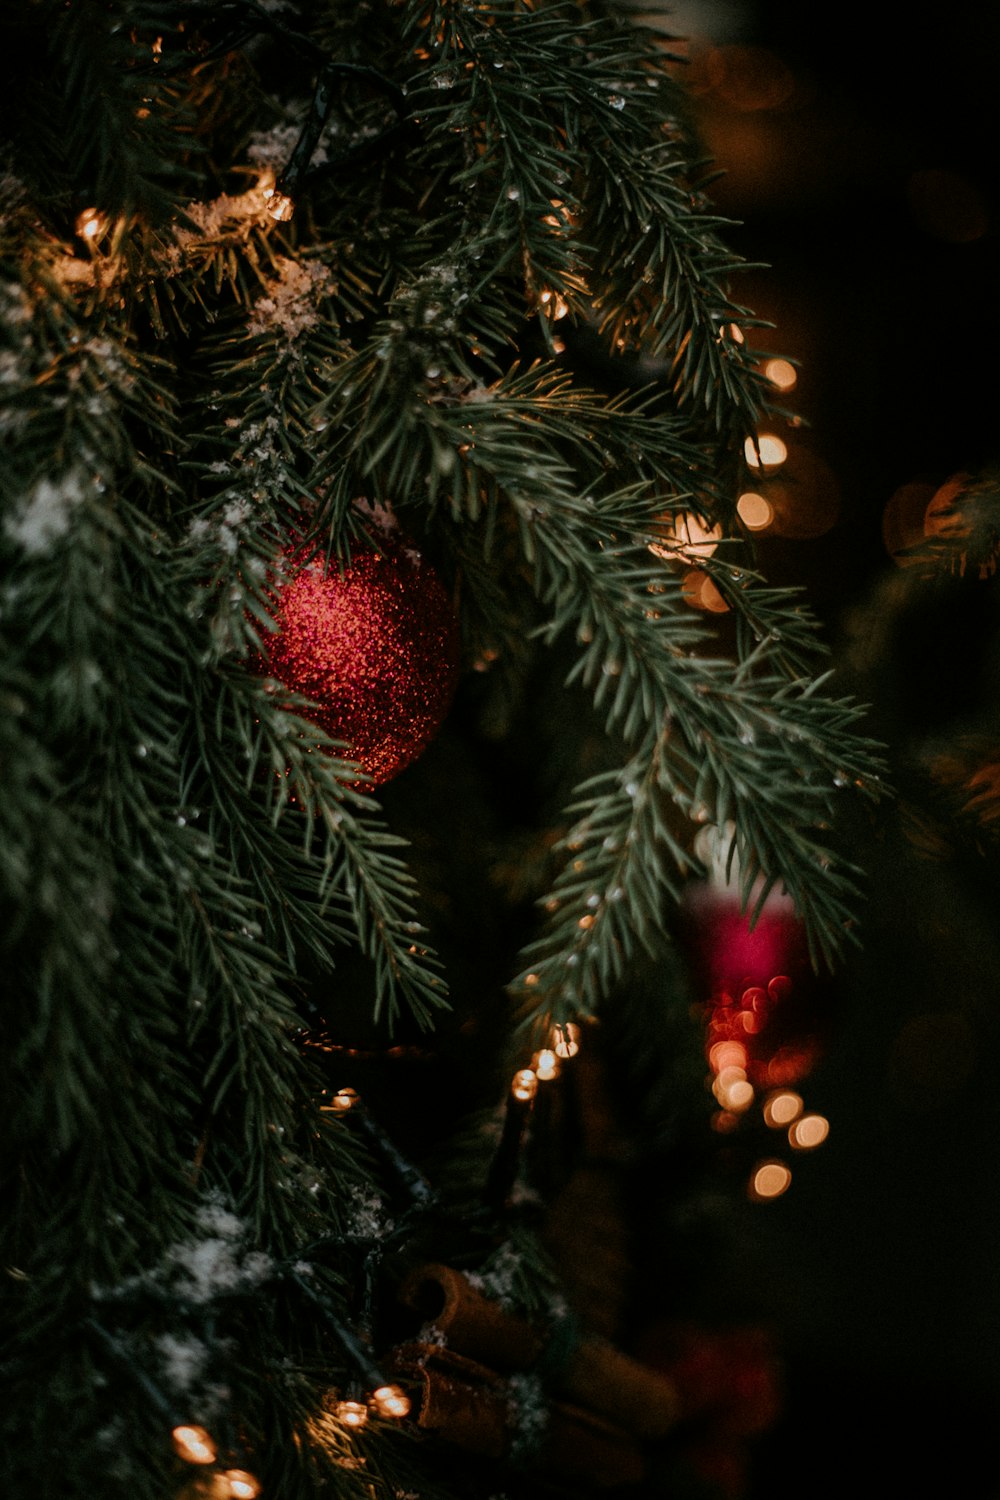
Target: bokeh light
(194, 1445)
(768, 451)
(687, 538)
(352, 1413)
(524, 1085)
(769, 1180)
(745, 79)
(781, 373)
(698, 590)
(809, 1132)
(242, 1485)
(755, 511)
(781, 1108)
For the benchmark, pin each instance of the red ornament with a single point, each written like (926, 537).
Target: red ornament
(374, 645)
(765, 1008)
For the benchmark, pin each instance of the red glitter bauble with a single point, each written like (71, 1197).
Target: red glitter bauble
(374, 645)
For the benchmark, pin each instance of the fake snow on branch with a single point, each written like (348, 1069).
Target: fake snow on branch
(291, 305)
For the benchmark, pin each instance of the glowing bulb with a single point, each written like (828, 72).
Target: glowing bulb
(352, 1413)
(698, 590)
(390, 1401)
(524, 1085)
(342, 1101)
(546, 1065)
(688, 537)
(242, 1486)
(727, 1055)
(279, 205)
(782, 1108)
(772, 451)
(739, 1095)
(566, 1040)
(754, 511)
(809, 1132)
(555, 306)
(770, 1179)
(91, 224)
(781, 373)
(194, 1445)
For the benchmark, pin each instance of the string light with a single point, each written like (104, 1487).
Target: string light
(352, 1413)
(781, 1108)
(727, 1054)
(242, 1486)
(555, 306)
(733, 1090)
(391, 1401)
(767, 452)
(546, 1065)
(698, 590)
(809, 1132)
(688, 536)
(194, 1445)
(781, 373)
(279, 205)
(566, 1040)
(755, 511)
(91, 224)
(524, 1085)
(770, 1179)
(342, 1101)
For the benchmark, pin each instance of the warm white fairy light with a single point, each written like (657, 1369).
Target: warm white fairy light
(767, 451)
(566, 1040)
(242, 1485)
(524, 1085)
(781, 373)
(352, 1413)
(342, 1101)
(770, 1179)
(689, 537)
(194, 1445)
(279, 205)
(755, 511)
(809, 1132)
(91, 224)
(555, 306)
(546, 1065)
(391, 1401)
(781, 1108)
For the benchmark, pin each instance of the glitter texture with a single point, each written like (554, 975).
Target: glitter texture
(375, 645)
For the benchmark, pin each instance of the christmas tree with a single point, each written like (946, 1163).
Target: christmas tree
(385, 670)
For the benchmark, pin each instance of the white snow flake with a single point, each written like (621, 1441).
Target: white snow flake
(46, 512)
(291, 305)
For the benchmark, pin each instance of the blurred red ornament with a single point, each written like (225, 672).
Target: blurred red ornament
(374, 645)
(765, 1010)
(730, 1386)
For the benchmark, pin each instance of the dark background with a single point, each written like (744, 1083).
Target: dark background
(860, 153)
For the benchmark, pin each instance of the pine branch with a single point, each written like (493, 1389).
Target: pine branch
(623, 862)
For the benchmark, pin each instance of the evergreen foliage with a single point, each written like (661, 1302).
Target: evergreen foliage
(182, 853)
